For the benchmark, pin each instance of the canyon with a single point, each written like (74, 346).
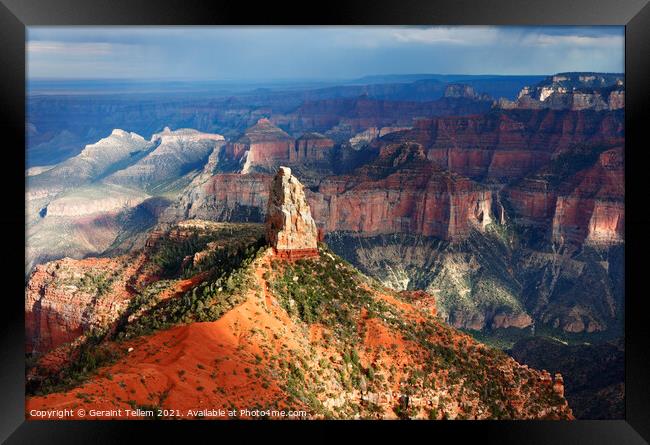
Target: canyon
(405, 189)
(331, 342)
(507, 214)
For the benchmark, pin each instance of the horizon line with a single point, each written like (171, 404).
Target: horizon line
(289, 79)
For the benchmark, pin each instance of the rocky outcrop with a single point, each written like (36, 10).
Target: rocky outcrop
(505, 320)
(224, 197)
(592, 374)
(459, 90)
(263, 147)
(474, 282)
(347, 346)
(371, 172)
(365, 137)
(290, 228)
(571, 196)
(415, 197)
(616, 100)
(573, 91)
(400, 191)
(592, 201)
(67, 299)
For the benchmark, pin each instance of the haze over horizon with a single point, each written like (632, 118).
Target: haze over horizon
(325, 53)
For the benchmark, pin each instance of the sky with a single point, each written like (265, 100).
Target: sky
(317, 53)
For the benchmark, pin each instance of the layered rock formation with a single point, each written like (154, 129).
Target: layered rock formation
(573, 214)
(458, 90)
(177, 153)
(475, 281)
(85, 204)
(343, 118)
(401, 191)
(578, 205)
(311, 147)
(290, 229)
(371, 173)
(94, 200)
(365, 137)
(67, 298)
(500, 146)
(224, 197)
(573, 91)
(95, 161)
(261, 145)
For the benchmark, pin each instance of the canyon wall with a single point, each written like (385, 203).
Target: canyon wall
(576, 206)
(311, 147)
(503, 145)
(400, 192)
(263, 147)
(348, 116)
(67, 298)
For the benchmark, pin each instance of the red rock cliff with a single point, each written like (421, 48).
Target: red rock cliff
(262, 144)
(587, 206)
(311, 147)
(503, 145)
(400, 192)
(66, 298)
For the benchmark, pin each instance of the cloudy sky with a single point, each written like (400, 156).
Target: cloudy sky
(318, 53)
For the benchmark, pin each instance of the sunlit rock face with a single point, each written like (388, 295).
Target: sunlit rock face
(67, 298)
(573, 91)
(262, 146)
(401, 192)
(583, 206)
(290, 228)
(504, 145)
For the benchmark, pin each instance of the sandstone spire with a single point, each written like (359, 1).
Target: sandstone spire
(290, 228)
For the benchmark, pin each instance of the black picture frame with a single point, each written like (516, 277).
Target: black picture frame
(16, 15)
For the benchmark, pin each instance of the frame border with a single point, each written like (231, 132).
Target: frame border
(16, 15)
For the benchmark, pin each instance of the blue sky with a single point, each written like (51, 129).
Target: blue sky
(317, 53)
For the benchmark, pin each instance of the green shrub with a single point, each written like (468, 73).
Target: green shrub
(87, 359)
(206, 302)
